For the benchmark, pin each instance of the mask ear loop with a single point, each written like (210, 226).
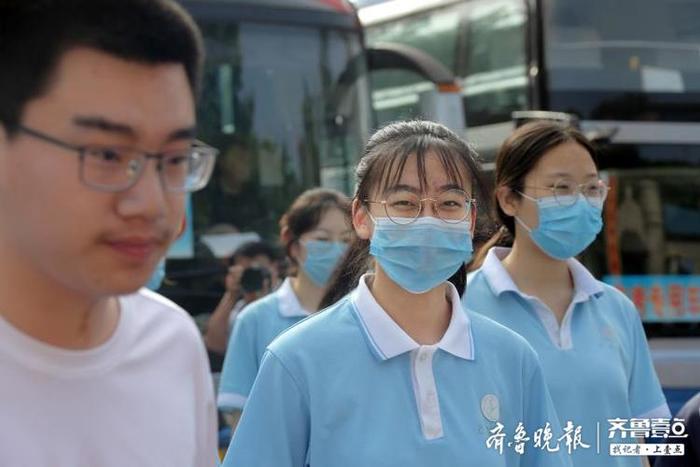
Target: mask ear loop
(524, 226)
(374, 220)
(526, 196)
(519, 220)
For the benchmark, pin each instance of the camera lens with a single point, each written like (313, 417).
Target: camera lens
(253, 279)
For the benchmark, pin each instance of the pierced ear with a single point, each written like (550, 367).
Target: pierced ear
(507, 200)
(361, 220)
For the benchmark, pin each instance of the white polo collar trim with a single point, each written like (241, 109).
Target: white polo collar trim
(389, 340)
(289, 305)
(585, 285)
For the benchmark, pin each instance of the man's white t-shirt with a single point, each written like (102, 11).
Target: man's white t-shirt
(144, 398)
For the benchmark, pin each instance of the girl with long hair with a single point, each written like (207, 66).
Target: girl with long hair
(396, 373)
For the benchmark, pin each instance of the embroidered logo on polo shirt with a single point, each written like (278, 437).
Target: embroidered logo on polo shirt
(609, 335)
(490, 407)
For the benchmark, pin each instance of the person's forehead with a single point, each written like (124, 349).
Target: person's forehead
(569, 159)
(437, 176)
(332, 219)
(150, 98)
(261, 259)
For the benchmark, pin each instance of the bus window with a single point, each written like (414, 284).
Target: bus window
(494, 62)
(273, 102)
(480, 41)
(395, 93)
(608, 69)
(271, 116)
(650, 245)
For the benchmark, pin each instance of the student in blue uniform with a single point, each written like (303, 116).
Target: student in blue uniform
(315, 231)
(395, 373)
(588, 335)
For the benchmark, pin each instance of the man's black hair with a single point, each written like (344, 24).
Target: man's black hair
(34, 35)
(253, 249)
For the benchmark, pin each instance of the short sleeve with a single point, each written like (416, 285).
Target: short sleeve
(538, 412)
(646, 398)
(274, 428)
(240, 364)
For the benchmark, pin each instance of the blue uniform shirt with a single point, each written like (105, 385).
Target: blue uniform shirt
(597, 363)
(255, 327)
(348, 387)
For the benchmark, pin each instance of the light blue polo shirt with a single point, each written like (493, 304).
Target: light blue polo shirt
(597, 363)
(348, 387)
(254, 328)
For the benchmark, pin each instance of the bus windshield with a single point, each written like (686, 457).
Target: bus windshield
(655, 52)
(274, 104)
(275, 118)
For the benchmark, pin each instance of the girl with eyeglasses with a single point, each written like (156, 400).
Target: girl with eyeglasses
(315, 232)
(588, 335)
(396, 373)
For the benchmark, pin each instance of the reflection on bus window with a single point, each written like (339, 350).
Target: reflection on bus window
(396, 92)
(659, 49)
(602, 67)
(481, 41)
(270, 113)
(495, 81)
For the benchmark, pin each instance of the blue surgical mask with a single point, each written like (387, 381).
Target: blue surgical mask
(564, 231)
(157, 277)
(423, 254)
(321, 259)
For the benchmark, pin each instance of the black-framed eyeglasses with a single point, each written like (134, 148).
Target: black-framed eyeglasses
(114, 169)
(404, 207)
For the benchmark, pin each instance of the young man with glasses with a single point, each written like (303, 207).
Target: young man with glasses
(97, 152)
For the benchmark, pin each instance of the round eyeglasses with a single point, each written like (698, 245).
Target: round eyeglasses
(114, 169)
(404, 207)
(566, 192)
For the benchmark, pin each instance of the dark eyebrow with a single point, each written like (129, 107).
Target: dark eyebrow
(412, 189)
(451, 186)
(401, 187)
(103, 124)
(183, 133)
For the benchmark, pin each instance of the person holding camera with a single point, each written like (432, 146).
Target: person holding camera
(315, 232)
(252, 274)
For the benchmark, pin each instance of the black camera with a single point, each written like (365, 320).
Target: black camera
(253, 279)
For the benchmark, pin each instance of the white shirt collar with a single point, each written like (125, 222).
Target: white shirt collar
(585, 285)
(289, 305)
(389, 340)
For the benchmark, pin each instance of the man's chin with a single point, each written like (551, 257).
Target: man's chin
(125, 288)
